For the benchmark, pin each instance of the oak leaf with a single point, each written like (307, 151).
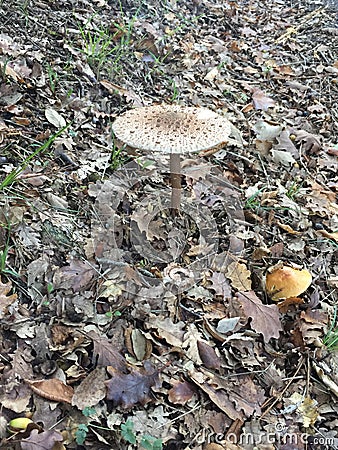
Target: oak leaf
(5, 299)
(44, 441)
(239, 276)
(265, 319)
(128, 389)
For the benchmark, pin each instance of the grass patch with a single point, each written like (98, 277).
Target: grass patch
(12, 176)
(331, 338)
(4, 270)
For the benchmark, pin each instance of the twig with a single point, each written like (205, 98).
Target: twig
(294, 30)
(284, 390)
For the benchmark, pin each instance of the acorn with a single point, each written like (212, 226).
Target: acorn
(18, 424)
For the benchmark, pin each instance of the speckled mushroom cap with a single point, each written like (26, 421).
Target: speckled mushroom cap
(172, 129)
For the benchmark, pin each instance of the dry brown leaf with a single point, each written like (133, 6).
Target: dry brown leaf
(262, 101)
(42, 441)
(333, 236)
(173, 333)
(137, 344)
(239, 276)
(313, 324)
(285, 143)
(105, 354)
(310, 142)
(5, 299)
(53, 389)
(288, 229)
(128, 389)
(15, 398)
(130, 95)
(55, 118)
(307, 407)
(181, 392)
(208, 355)
(78, 275)
(321, 201)
(91, 390)
(219, 397)
(243, 393)
(265, 319)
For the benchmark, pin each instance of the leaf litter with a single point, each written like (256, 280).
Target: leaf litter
(121, 325)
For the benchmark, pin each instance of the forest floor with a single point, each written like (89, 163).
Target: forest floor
(122, 326)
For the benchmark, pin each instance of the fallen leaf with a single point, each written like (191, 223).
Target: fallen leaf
(282, 157)
(262, 101)
(128, 389)
(42, 441)
(265, 319)
(5, 299)
(208, 355)
(333, 236)
(137, 344)
(181, 392)
(239, 276)
(129, 94)
(310, 142)
(55, 118)
(77, 275)
(307, 407)
(220, 285)
(172, 333)
(238, 399)
(285, 143)
(227, 324)
(53, 389)
(91, 390)
(105, 354)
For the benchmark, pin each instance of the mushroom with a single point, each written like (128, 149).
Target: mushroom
(286, 282)
(174, 130)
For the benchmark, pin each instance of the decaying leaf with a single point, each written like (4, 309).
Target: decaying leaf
(55, 118)
(91, 390)
(42, 441)
(78, 275)
(173, 333)
(239, 276)
(262, 101)
(52, 389)
(237, 399)
(307, 407)
(5, 299)
(128, 389)
(208, 355)
(105, 354)
(137, 344)
(181, 392)
(265, 319)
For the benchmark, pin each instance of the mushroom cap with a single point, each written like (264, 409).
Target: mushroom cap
(172, 129)
(287, 282)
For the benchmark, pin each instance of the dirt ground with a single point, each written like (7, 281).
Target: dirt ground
(123, 326)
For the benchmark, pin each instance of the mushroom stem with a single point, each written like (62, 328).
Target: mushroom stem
(175, 177)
